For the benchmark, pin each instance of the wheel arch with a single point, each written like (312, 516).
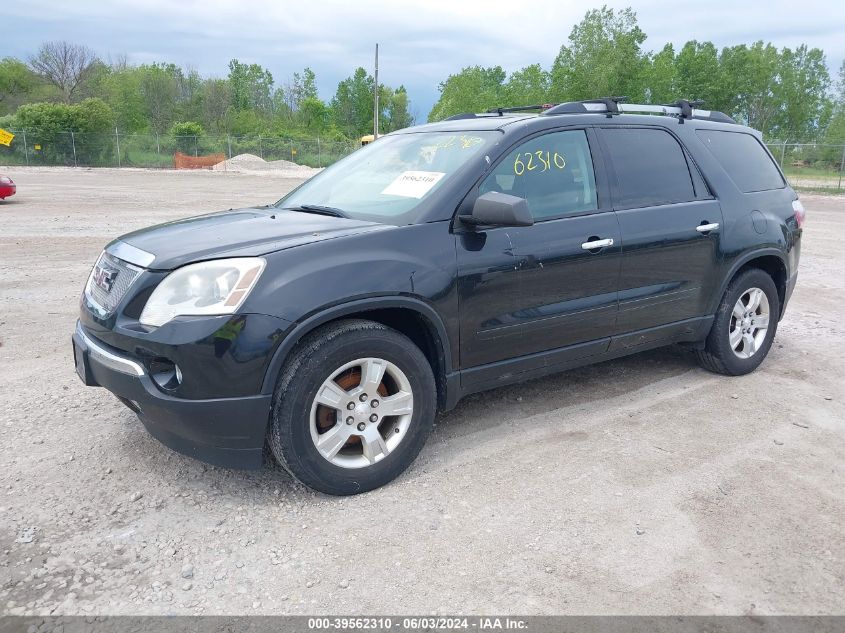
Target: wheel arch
(771, 261)
(412, 317)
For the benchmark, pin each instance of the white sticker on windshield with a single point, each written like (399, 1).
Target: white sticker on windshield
(413, 184)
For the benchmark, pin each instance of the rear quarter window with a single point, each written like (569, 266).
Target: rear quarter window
(744, 158)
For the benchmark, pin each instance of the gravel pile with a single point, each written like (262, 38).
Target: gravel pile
(250, 163)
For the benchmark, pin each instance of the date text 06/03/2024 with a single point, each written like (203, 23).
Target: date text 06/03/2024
(418, 623)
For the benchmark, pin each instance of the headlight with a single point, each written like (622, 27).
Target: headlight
(215, 287)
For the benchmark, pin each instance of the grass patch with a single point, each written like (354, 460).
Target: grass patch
(811, 172)
(824, 190)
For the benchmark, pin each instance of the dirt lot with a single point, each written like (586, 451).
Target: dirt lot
(644, 485)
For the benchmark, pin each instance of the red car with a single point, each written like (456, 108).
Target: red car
(7, 187)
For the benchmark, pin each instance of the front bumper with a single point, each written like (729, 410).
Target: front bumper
(227, 432)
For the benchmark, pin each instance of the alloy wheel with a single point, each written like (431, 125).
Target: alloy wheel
(361, 412)
(749, 323)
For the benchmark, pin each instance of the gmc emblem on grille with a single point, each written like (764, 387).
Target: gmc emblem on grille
(104, 277)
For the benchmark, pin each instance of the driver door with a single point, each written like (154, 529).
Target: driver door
(545, 294)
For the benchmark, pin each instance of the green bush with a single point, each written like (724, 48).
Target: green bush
(8, 122)
(63, 130)
(187, 128)
(186, 135)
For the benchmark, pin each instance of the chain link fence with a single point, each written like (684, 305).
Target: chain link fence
(72, 149)
(811, 166)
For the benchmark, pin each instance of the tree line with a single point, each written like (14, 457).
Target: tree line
(785, 93)
(66, 86)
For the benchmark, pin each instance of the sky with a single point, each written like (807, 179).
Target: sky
(420, 42)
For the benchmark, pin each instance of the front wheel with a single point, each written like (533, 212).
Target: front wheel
(744, 326)
(353, 407)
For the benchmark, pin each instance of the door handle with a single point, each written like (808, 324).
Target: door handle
(706, 228)
(589, 246)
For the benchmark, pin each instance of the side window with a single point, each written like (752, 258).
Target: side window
(744, 158)
(553, 172)
(650, 167)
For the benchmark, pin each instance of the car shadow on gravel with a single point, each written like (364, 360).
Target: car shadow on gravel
(572, 389)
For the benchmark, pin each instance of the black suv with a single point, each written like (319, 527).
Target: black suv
(439, 261)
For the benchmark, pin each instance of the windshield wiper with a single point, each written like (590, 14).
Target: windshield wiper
(318, 209)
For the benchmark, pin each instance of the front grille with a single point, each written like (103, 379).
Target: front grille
(108, 300)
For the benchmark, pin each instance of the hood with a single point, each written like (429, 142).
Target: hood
(233, 233)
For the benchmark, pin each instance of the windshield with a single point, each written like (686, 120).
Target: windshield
(389, 179)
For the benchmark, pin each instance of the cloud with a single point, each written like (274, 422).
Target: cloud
(422, 42)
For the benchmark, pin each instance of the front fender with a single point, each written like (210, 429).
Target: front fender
(357, 307)
(412, 267)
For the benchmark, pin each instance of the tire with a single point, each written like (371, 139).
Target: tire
(719, 354)
(300, 421)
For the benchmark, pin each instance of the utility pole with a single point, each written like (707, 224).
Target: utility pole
(73, 142)
(375, 100)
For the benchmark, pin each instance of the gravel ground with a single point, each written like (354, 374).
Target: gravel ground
(640, 486)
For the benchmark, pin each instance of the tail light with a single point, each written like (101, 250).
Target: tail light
(800, 214)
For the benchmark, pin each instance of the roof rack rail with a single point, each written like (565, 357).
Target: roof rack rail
(499, 112)
(472, 115)
(462, 115)
(526, 108)
(682, 109)
(608, 105)
(687, 107)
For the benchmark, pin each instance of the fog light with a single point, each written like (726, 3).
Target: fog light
(165, 373)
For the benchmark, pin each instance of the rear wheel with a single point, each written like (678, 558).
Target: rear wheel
(353, 407)
(744, 326)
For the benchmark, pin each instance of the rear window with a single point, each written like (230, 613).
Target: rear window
(650, 167)
(743, 157)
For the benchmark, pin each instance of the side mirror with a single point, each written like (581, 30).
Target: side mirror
(499, 209)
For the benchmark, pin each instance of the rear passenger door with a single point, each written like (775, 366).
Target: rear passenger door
(670, 226)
